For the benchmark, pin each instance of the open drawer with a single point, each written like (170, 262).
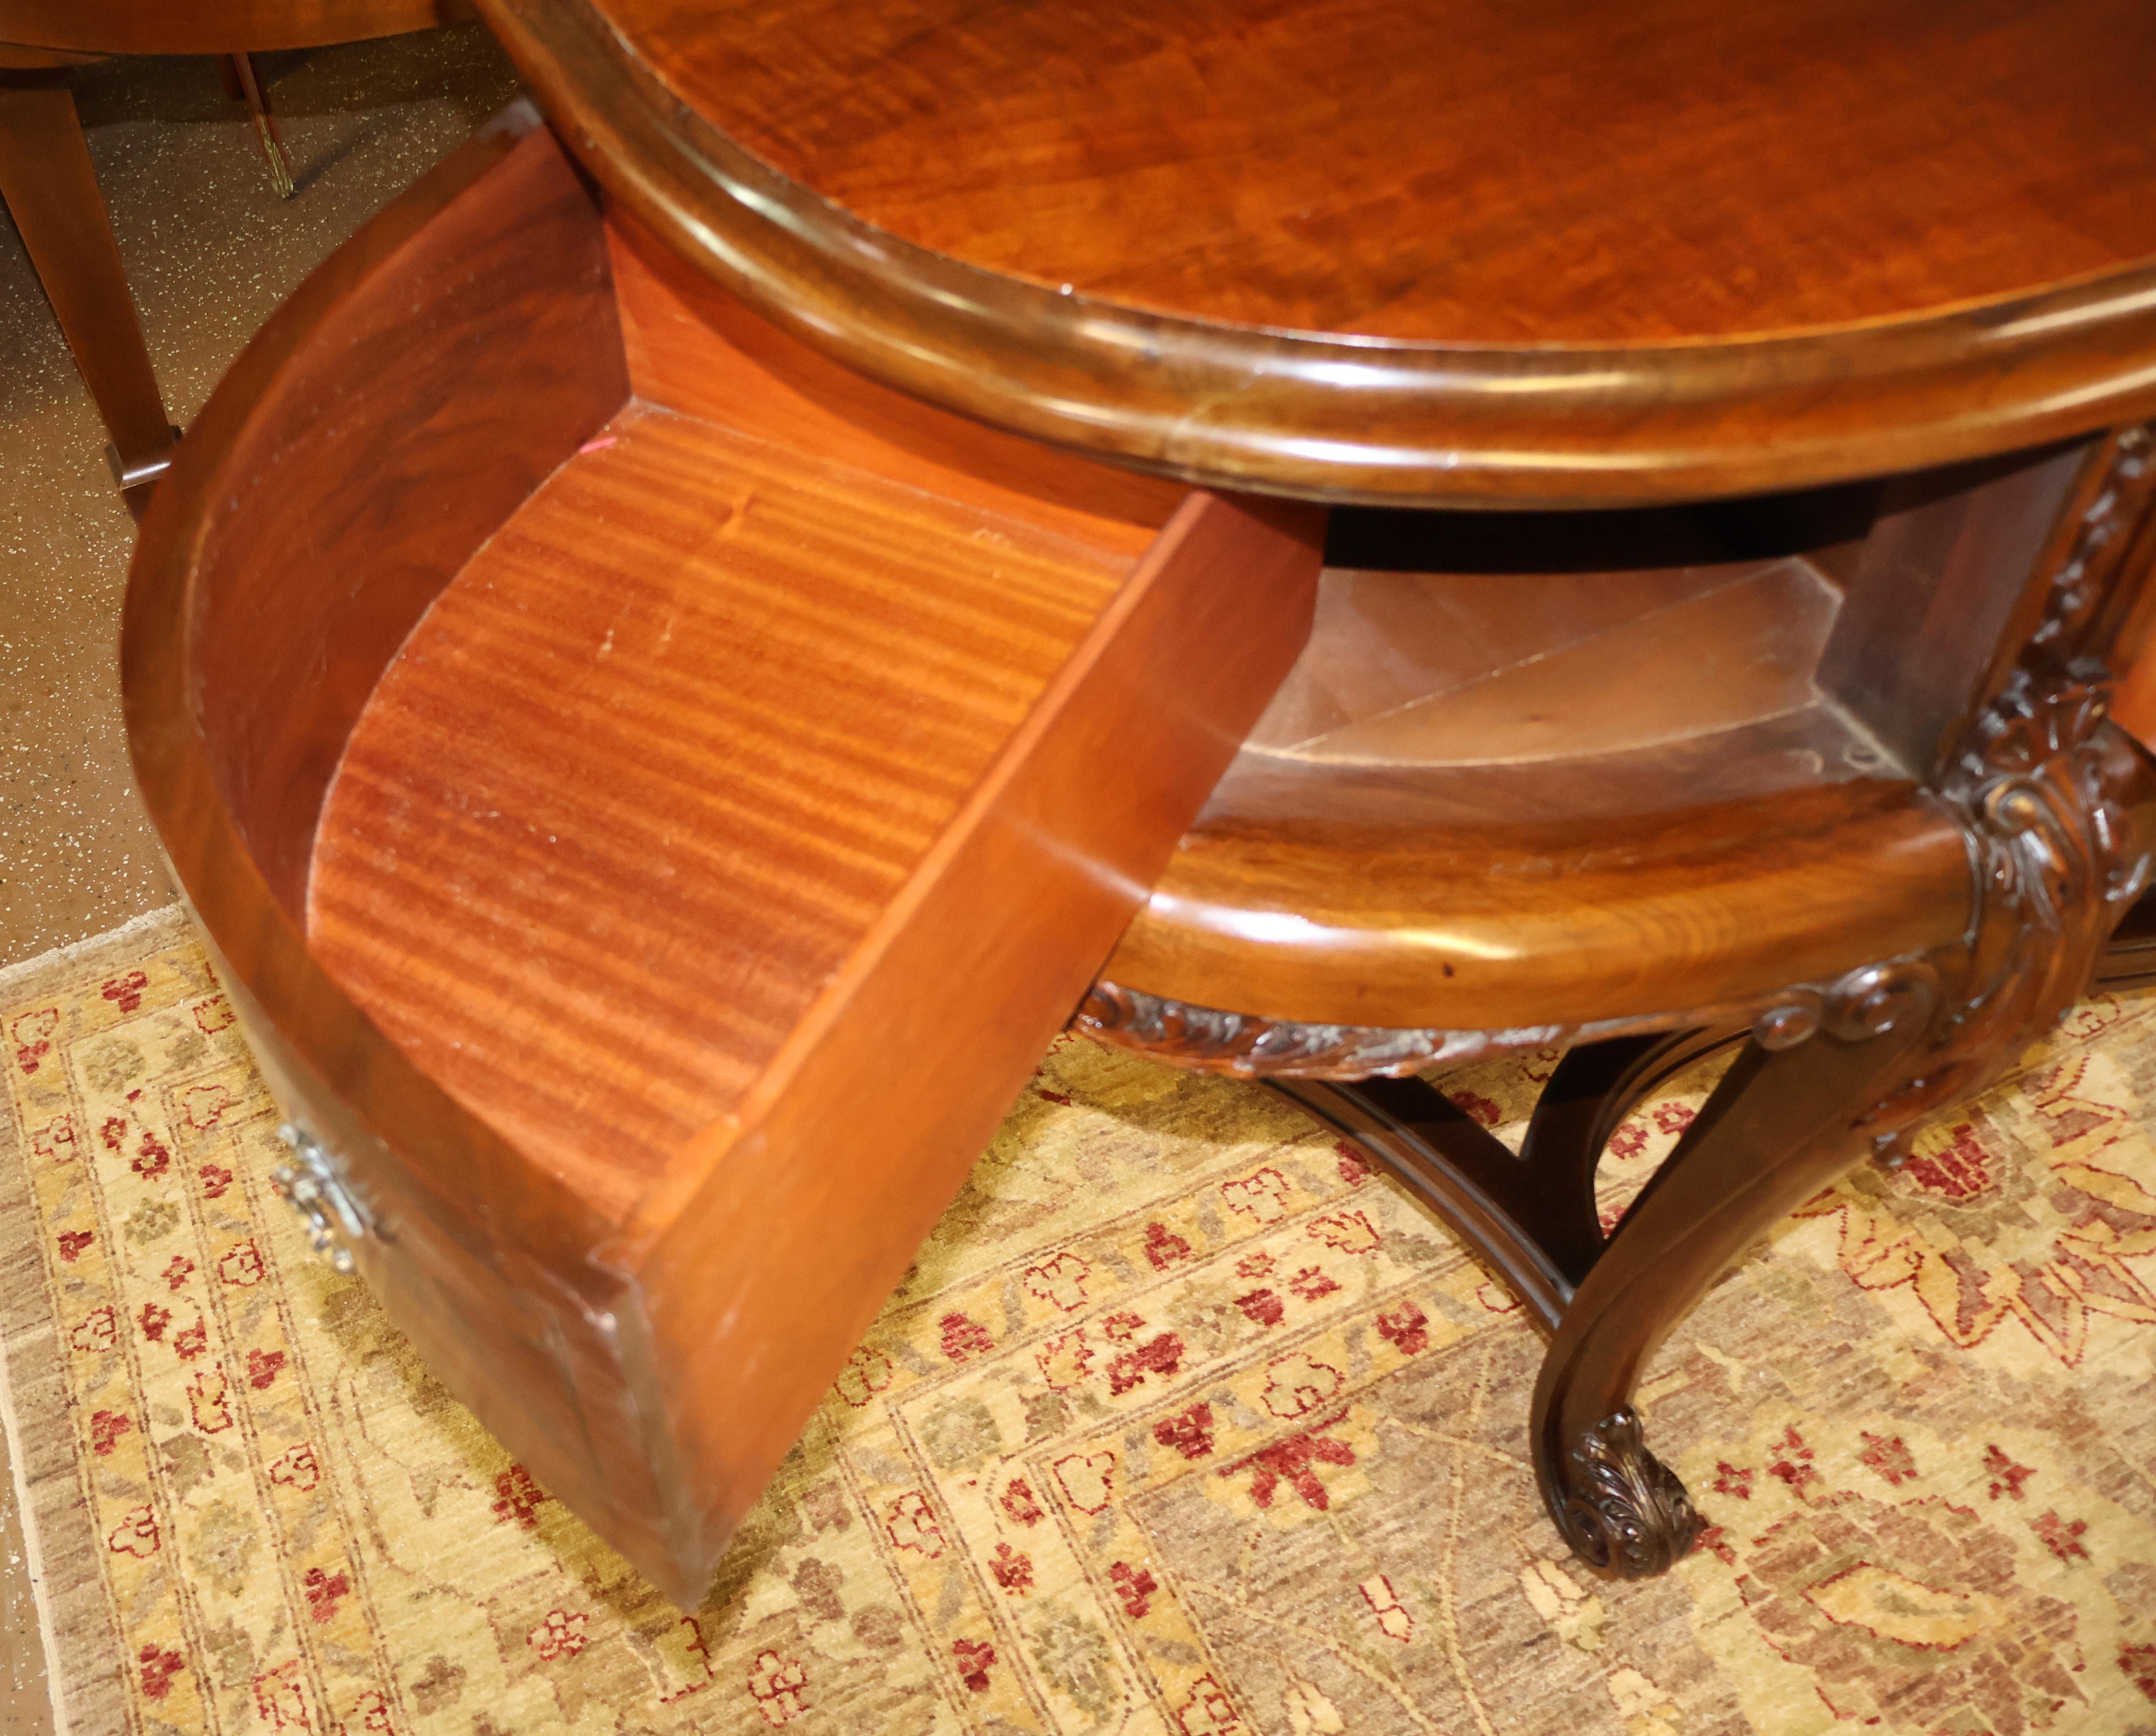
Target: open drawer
(654, 795)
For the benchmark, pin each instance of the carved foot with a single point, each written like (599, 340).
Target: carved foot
(1622, 1510)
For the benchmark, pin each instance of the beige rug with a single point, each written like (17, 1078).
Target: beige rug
(1182, 1423)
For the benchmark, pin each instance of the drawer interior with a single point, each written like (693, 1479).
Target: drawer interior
(657, 756)
(613, 660)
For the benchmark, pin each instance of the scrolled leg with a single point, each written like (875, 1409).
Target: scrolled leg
(1779, 1126)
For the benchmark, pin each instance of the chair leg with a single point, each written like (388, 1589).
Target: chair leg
(46, 180)
(243, 80)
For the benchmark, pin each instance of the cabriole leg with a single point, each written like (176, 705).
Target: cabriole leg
(1777, 1128)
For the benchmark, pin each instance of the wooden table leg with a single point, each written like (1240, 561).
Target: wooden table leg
(46, 179)
(2059, 809)
(1780, 1127)
(243, 82)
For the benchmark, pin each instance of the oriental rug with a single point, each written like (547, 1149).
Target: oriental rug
(1182, 1423)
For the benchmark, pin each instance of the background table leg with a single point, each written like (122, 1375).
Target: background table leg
(46, 179)
(243, 82)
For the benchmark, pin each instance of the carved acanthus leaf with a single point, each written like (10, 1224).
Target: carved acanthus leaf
(2054, 801)
(1624, 1511)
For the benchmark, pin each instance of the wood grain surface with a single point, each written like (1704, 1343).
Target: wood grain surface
(634, 788)
(479, 355)
(725, 784)
(485, 1263)
(2135, 657)
(727, 791)
(1469, 253)
(1490, 798)
(214, 27)
(773, 1235)
(51, 193)
(1602, 887)
(1470, 171)
(694, 347)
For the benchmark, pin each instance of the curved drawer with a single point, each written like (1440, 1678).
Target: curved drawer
(645, 788)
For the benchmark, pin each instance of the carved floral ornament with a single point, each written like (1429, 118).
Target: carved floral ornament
(1246, 1046)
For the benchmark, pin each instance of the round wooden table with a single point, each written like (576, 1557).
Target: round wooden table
(1368, 538)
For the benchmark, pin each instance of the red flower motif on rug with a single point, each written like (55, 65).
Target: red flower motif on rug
(323, 1592)
(1018, 1501)
(1163, 1247)
(1889, 1457)
(963, 1337)
(518, 1499)
(974, 1657)
(158, 1670)
(1134, 1587)
(1190, 1434)
(1012, 1569)
(1294, 1462)
(1406, 1328)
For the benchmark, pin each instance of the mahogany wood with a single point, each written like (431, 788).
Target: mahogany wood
(1306, 893)
(1948, 577)
(51, 191)
(17, 57)
(1473, 254)
(1776, 1129)
(2135, 656)
(215, 27)
(815, 745)
(1050, 143)
(1565, 756)
(1531, 1215)
(510, 288)
(1029, 887)
(483, 1258)
(1568, 775)
(243, 82)
(631, 792)
(694, 348)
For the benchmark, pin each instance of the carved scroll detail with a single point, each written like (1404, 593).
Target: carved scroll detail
(2098, 542)
(2056, 803)
(1243, 1044)
(1624, 1511)
(1210, 1040)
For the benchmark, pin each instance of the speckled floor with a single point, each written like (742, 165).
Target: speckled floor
(210, 249)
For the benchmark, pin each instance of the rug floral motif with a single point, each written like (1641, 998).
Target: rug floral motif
(1183, 1422)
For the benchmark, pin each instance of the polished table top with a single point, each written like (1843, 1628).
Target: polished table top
(1465, 251)
(1576, 172)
